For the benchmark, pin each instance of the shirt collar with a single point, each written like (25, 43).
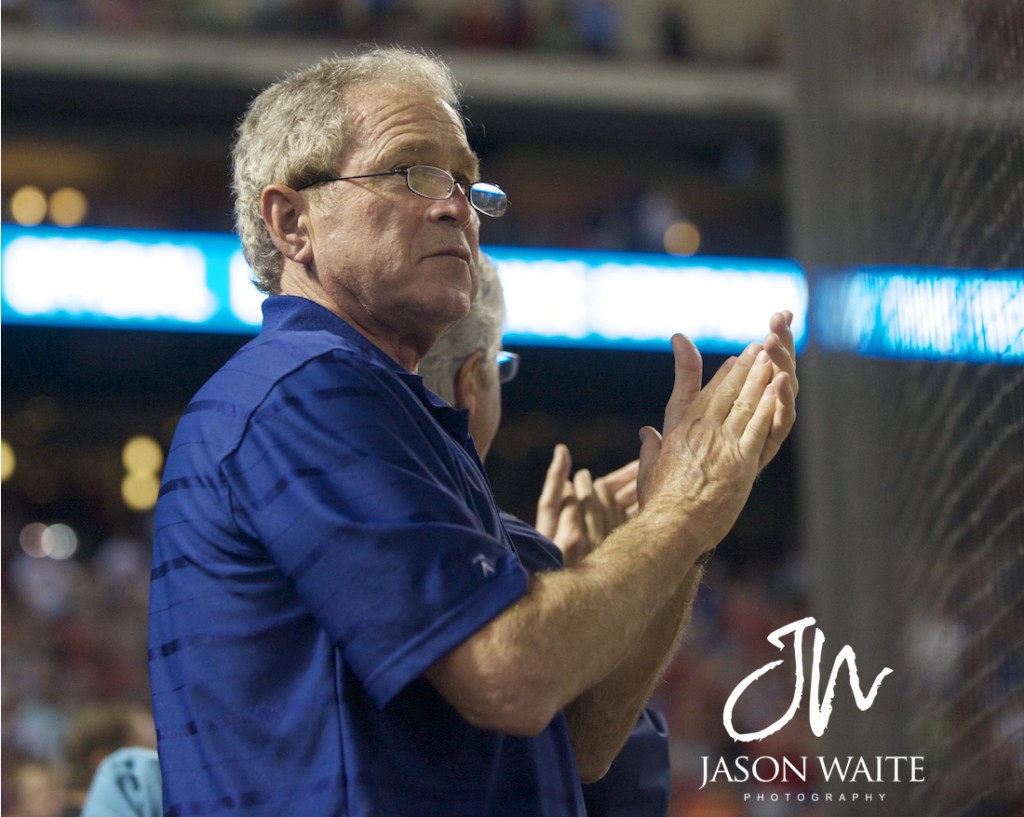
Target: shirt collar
(292, 313)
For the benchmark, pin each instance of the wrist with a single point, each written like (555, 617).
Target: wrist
(694, 543)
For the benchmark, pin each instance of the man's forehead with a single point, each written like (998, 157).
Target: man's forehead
(381, 107)
(399, 123)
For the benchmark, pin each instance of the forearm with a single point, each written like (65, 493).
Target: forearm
(601, 719)
(572, 630)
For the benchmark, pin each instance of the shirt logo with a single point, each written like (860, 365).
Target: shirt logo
(486, 565)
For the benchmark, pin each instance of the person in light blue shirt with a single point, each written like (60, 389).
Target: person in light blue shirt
(338, 621)
(126, 784)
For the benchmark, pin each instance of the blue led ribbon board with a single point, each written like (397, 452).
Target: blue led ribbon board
(973, 316)
(173, 281)
(127, 279)
(634, 300)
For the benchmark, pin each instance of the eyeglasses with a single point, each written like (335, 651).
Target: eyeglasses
(508, 366)
(435, 183)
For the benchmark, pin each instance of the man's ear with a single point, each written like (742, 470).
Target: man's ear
(286, 215)
(467, 381)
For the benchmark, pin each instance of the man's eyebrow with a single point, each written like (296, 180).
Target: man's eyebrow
(417, 149)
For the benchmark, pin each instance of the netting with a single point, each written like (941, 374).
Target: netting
(908, 152)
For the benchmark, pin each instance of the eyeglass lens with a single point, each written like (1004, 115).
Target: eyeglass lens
(431, 182)
(508, 366)
(435, 183)
(488, 198)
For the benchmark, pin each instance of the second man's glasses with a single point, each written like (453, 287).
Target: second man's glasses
(508, 366)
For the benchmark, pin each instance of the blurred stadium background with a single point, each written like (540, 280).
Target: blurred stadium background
(867, 140)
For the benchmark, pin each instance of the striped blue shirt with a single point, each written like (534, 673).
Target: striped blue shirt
(324, 534)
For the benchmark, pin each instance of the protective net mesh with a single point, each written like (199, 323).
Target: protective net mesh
(908, 152)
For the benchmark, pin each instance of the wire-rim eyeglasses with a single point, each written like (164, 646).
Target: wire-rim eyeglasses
(438, 184)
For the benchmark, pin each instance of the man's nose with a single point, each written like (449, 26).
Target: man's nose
(456, 208)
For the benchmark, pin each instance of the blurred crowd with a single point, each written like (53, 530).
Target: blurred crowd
(735, 612)
(75, 683)
(652, 28)
(961, 43)
(75, 679)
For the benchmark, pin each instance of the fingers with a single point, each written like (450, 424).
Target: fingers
(717, 437)
(747, 402)
(593, 511)
(722, 394)
(549, 505)
(625, 497)
(758, 427)
(782, 420)
(734, 401)
(570, 535)
(612, 514)
(720, 377)
(558, 470)
(780, 346)
(616, 492)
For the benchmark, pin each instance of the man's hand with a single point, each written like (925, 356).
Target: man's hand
(715, 439)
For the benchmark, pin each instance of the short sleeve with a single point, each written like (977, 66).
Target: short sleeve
(381, 522)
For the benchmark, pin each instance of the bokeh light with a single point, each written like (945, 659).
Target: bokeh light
(61, 541)
(139, 491)
(68, 207)
(31, 539)
(8, 462)
(28, 206)
(39, 540)
(682, 238)
(142, 454)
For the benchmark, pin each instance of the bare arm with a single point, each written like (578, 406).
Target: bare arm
(574, 627)
(601, 719)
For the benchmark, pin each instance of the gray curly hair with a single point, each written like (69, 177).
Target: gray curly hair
(480, 329)
(296, 130)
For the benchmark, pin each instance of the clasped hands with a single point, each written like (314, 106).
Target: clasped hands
(713, 443)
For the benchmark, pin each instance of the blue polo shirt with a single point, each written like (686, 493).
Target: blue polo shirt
(324, 534)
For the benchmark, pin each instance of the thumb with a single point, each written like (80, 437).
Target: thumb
(689, 369)
(549, 505)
